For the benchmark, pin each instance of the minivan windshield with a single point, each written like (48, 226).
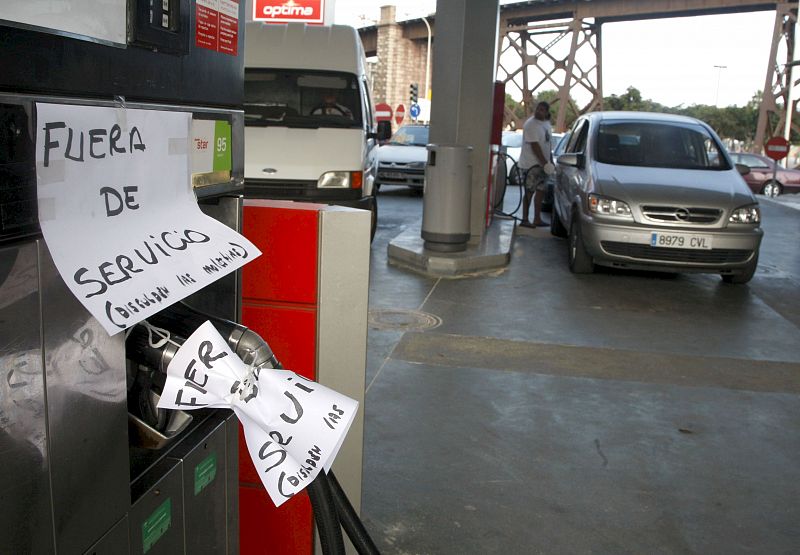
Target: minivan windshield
(410, 135)
(658, 145)
(299, 98)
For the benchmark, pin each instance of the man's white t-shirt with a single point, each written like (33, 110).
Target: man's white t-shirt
(534, 131)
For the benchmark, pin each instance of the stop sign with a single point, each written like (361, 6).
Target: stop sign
(383, 112)
(399, 114)
(777, 148)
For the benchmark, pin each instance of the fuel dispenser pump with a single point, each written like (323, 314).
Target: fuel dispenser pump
(95, 466)
(153, 344)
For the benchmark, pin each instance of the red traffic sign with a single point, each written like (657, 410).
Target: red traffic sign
(399, 114)
(777, 148)
(383, 112)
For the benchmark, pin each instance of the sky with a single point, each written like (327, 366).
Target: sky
(671, 61)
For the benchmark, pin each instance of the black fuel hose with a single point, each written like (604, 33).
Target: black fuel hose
(350, 521)
(325, 515)
(343, 511)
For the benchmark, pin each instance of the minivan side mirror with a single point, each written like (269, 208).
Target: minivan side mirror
(742, 169)
(384, 131)
(574, 160)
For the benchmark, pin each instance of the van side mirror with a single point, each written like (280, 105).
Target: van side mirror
(742, 169)
(384, 131)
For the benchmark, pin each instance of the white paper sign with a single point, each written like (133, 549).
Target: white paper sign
(293, 426)
(118, 212)
(103, 20)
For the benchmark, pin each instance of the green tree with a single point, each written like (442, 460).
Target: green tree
(516, 108)
(731, 122)
(632, 101)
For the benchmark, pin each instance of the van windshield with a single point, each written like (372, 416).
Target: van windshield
(659, 145)
(299, 98)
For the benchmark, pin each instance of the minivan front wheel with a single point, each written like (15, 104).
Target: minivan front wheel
(373, 224)
(580, 261)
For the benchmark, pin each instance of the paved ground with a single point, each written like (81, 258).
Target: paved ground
(618, 412)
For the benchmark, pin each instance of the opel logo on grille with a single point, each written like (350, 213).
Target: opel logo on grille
(682, 214)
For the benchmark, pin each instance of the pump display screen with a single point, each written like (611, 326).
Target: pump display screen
(296, 98)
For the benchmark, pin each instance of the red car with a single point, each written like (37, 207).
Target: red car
(762, 170)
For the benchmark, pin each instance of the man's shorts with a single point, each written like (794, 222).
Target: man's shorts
(535, 179)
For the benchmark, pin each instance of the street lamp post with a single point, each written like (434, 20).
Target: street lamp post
(427, 59)
(787, 130)
(719, 76)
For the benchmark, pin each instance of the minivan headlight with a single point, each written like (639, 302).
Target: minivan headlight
(609, 207)
(750, 214)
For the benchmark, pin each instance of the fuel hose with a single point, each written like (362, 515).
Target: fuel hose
(350, 521)
(325, 516)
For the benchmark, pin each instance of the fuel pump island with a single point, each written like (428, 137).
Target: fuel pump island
(121, 207)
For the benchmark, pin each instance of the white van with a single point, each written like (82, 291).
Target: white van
(309, 122)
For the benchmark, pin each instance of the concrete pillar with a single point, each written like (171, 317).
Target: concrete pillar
(464, 62)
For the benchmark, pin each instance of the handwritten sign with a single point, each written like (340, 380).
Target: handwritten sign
(118, 213)
(293, 426)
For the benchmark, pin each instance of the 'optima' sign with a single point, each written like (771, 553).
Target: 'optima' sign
(286, 11)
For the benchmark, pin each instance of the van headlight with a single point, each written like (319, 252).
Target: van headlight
(340, 180)
(605, 206)
(334, 180)
(750, 214)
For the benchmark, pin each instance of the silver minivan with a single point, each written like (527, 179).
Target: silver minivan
(654, 191)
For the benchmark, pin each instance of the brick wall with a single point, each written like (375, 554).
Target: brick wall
(401, 61)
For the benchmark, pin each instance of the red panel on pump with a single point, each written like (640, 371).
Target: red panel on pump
(258, 532)
(498, 112)
(289, 330)
(287, 233)
(280, 303)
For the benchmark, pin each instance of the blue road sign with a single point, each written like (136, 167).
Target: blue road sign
(414, 110)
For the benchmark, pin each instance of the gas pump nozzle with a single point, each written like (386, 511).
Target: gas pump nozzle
(180, 321)
(183, 320)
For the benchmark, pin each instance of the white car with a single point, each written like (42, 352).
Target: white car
(402, 160)
(512, 140)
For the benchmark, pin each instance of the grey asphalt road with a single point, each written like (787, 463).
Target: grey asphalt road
(530, 410)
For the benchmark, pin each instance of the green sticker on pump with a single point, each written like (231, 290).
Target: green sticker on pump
(156, 525)
(222, 146)
(211, 157)
(205, 472)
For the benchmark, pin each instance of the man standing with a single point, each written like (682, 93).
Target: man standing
(535, 162)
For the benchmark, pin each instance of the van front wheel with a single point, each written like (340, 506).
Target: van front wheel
(374, 221)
